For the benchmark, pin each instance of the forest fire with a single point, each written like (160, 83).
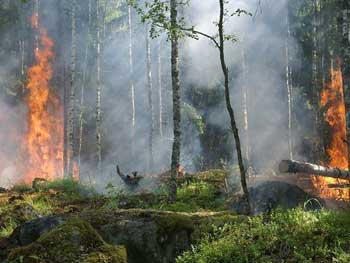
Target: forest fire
(332, 97)
(43, 144)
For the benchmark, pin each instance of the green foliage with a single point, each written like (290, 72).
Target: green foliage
(21, 188)
(40, 204)
(194, 197)
(192, 116)
(292, 236)
(71, 188)
(7, 229)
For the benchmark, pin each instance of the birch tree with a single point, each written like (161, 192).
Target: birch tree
(131, 80)
(150, 101)
(289, 90)
(219, 41)
(157, 14)
(83, 85)
(160, 91)
(98, 90)
(71, 111)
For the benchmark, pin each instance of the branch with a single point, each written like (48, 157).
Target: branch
(195, 32)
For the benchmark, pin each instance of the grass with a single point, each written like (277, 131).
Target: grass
(194, 197)
(21, 188)
(40, 204)
(70, 188)
(292, 236)
(7, 229)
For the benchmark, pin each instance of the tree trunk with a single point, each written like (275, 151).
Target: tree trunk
(229, 106)
(246, 113)
(290, 166)
(83, 86)
(131, 84)
(160, 91)
(98, 92)
(71, 112)
(289, 91)
(150, 101)
(175, 77)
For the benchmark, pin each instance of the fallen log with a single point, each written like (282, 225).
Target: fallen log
(291, 166)
(339, 186)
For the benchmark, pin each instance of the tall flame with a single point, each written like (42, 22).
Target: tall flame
(332, 97)
(44, 138)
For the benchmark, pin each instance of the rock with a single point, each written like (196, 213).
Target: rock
(153, 236)
(73, 241)
(270, 195)
(147, 235)
(32, 230)
(39, 184)
(3, 190)
(25, 212)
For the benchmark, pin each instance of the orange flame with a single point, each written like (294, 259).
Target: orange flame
(332, 97)
(75, 171)
(44, 138)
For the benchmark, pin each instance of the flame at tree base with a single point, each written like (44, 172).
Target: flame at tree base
(332, 97)
(43, 143)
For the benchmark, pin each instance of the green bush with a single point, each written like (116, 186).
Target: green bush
(71, 188)
(292, 236)
(21, 188)
(195, 197)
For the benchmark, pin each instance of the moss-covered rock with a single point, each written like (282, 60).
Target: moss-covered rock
(151, 235)
(73, 241)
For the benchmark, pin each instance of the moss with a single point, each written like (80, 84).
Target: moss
(214, 174)
(107, 254)
(74, 241)
(171, 223)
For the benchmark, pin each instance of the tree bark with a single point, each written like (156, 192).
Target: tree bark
(246, 114)
(175, 77)
(83, 86)
(229, 106)
(131, 83)
(289, 91)
(150, 101)
(160, 91)
(71, 112)
(98, 92)
(291, 166)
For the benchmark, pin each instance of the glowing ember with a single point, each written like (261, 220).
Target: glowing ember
(332, 97)
(44, 138)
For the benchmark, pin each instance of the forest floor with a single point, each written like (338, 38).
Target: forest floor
(66, 221)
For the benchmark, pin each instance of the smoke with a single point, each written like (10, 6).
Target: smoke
(261, 41)
(261, 47)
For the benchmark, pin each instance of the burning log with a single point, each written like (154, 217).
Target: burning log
(339, 186)
(290, 166)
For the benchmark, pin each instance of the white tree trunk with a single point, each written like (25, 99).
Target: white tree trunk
(131, 82)
(83, 86)
(160, 91)
(289, 92)
(98, 92)
(150, 100)
(71, 111)
(246, 114)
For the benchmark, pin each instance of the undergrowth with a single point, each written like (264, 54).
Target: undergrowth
(291, 236)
